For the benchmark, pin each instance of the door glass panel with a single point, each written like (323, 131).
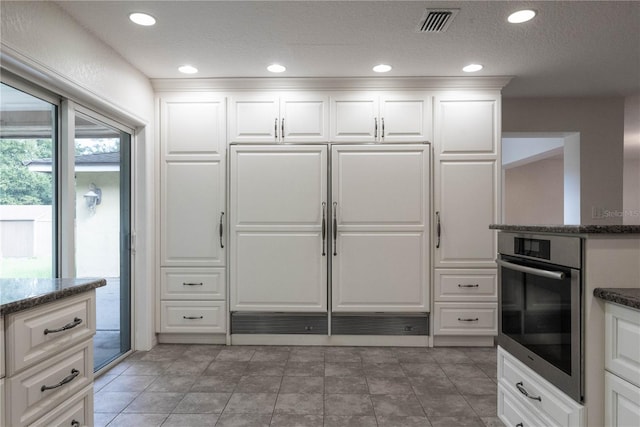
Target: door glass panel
(27, 197)
(102, 230)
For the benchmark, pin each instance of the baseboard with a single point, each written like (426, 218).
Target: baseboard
(192, 338)
(463, 341)
(334, 340)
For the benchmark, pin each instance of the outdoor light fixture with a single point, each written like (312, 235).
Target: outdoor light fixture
(93, 198)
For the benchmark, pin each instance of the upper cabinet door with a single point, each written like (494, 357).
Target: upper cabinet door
(192, 125)
(304, 118)
(354, 117)
(467, 126)
(254, 118)
(406, 118)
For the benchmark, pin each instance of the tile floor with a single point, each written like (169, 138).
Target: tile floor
(200, 385)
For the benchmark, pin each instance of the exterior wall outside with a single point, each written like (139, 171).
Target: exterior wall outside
(600, 122)
(631, 179)
(42, 35)
(534, 193)
(98, 234)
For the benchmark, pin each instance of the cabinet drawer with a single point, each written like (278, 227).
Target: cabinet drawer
(192, 284)
(466, 285)
(68, 373)
(193, 316)
(76, 411)
(622, 402)
(34, 335)
(513, 413)
(622, 342)
(465, 319)
(554, 406)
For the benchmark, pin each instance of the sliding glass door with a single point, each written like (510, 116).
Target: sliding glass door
(102, 228)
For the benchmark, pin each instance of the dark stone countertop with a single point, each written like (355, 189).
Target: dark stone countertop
(629, 297)
(569, 229)
(22, 294)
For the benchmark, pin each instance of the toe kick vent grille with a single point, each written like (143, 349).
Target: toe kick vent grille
(436, 20)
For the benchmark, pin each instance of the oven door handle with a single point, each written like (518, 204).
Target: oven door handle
(556, 275)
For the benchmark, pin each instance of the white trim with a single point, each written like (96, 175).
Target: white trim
(192, 339)
(66, 190)
(345, 83)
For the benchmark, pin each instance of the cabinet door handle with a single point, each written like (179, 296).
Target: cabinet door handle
(70, 325)
(335, 228)
(192, 284)
(468, 286)
(382, 122)
(520, 387)
(65, 380)
(221, 229)
(275, 129)
(375, 128)
(324, 228)
(282, 129)
(75, 423)
(519, 425)
(462, 319)
(438, 230)
(192, 317)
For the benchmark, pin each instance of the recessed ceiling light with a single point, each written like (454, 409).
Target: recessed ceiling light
(521, 16)
(472, 68)
(382, 68)
(276, 68)
(188, 69)
(142, 19)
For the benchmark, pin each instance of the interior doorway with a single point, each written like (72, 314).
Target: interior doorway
(541, 178)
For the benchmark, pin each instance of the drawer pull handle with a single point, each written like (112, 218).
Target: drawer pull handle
(66, 380)
(192, 284)
(192, 317)
(462, 319)
(76, 322)
(519, 425)
(524, 391)
(468, 286)
(75, 423)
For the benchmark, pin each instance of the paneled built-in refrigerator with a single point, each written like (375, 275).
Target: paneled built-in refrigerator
(339, 229)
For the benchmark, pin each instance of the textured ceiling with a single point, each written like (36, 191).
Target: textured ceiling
(570, 49)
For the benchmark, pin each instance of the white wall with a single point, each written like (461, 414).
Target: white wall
(533, 193)
(631, 179)
(42, 43)
(600, 123)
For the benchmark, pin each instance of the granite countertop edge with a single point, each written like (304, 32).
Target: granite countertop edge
(628, 297)
(573, 229)
(34, 301)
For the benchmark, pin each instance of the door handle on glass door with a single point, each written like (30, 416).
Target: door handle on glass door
(275, 129)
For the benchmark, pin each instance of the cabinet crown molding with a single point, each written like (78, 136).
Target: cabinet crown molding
(331, 83)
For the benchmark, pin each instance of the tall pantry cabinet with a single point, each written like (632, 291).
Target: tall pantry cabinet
(466, 200)
(192, 216)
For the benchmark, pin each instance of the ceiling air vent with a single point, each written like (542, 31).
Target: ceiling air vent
(436, 20)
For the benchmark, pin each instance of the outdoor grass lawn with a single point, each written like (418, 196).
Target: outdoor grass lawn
(25, 267)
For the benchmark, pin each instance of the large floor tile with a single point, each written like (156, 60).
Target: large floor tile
(484, 405)
(243, 420)
(101, 419)
(383, 370)
(350, 421)
(172, 383)
(251, 403)
(402, 405)
(433, 385)
(389, 385)
(394, 421)
(256, 384)
(191, 420)
(302, 385)
(154, 403)
(304, 369)
(343, 369)
(348, 404)
(352, 385)
(445, 405)
(456, 421)
(130, 383)
(295, 420)
(215, 384)
(475, 386)
(202, 403)
(138, 420)
(113, 401)
(298, 403)
(226, 368)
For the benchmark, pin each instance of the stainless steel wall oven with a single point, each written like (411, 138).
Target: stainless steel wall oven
(540, 306)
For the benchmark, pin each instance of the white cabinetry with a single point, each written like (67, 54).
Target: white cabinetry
(278, 205)
(192, 209)
(527, 399)
(622, 363)
(272, 118)
(380, 209)
(49, 362)
(466, 199)
(388, 117)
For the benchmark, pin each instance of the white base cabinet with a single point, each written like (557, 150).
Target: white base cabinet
(527, 398)
(622, 364)
(50, 371)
